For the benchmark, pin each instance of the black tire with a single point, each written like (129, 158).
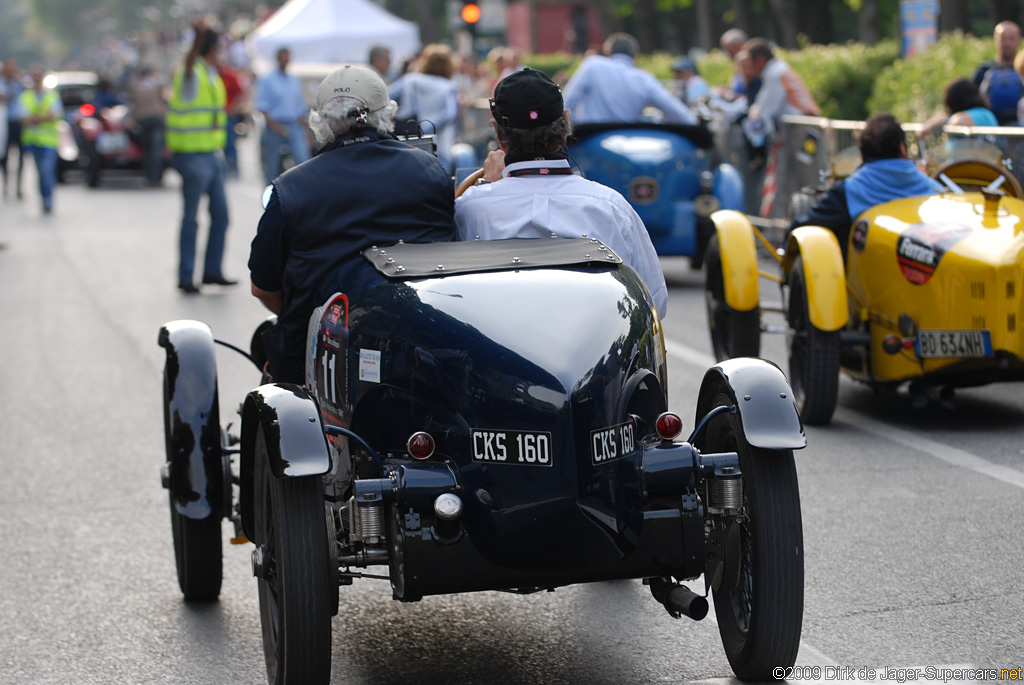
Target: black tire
(295, 598)
(813, 356)
(198, 545)
(733, 333)
(760, 619)
(198, 555)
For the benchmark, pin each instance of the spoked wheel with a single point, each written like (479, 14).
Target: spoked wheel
(733, 333)
(760, 618)
(198, 545)
(813, 355)
(295, 597)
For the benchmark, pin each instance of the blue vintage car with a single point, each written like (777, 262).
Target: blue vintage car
(669, 175)
(490, 416)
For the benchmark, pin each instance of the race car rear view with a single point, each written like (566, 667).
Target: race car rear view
(491, 417)
(929, 294)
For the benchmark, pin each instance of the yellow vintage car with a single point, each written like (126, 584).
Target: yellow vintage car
(931, 292)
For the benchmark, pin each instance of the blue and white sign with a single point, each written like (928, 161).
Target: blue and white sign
(919, 23)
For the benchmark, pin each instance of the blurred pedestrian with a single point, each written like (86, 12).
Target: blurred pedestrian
(106, 95)
(610, 88)
(470, 83)
(997, 80)
(148, 111)
(279, 98)
(732, 42)
(196, 123)
(1018, 66)
(380, 59)
(694, 87)
(11, 87)
(496, 66)
(781, 91)
(237, 89)
(511, 63)
(428, 97)
(39, 109)
(964, 107)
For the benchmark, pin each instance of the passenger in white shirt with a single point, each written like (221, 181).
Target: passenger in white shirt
(613, 89)
(532, 192)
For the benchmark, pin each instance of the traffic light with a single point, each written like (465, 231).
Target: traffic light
(470, 13)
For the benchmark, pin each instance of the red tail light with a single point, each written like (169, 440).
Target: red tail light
(87, 110)
(669, 426)
(420, 445)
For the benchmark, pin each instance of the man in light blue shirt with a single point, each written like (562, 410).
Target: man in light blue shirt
(279, 98)
(613, 89)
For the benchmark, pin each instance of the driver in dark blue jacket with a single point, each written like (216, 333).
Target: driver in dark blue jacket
(885, 174)
(363, 188)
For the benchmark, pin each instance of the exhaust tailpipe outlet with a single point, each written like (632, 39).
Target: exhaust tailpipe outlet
(679, 600)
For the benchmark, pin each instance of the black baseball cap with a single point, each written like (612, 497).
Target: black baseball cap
(526, 99)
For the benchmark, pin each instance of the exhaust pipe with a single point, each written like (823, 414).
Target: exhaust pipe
(679, 600)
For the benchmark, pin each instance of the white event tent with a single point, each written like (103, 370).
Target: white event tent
(332, 31)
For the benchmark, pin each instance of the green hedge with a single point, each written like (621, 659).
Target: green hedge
(912, 89)
(848, 81)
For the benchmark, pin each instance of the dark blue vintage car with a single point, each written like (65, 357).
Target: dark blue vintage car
(669, 175)
(492, 416)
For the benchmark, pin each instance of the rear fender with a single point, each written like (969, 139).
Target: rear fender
(738, 253)
(824, 272)
(192, 420)
(763, 399)
(728, 187)
(296, 443)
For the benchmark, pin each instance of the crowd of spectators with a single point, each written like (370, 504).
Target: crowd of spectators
(440, 92)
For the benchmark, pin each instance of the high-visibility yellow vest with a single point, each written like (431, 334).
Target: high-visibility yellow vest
(43, 134)
(198, 125)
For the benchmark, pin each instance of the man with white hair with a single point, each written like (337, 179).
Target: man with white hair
(362, 188)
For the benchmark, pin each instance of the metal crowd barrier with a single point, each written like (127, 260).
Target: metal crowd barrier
(809, 146)
(807, 149)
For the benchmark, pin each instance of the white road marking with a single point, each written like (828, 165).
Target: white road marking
(810, 656)
(946, 453)
(689, 355)
(941, 451)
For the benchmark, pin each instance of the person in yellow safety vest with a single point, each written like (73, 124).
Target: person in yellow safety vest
(196, 133)
(39, 110)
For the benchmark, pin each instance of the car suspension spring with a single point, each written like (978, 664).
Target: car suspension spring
(726, 491)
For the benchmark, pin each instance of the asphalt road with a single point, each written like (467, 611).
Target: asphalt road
(912, 519)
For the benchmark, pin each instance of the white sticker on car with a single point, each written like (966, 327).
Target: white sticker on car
(369, 366)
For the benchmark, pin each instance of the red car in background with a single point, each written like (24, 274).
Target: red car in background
(110, 140)
(94, 139)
